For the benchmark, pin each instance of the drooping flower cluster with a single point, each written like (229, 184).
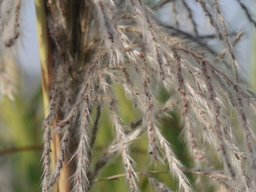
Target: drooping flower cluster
(101, 43)
(96, 44)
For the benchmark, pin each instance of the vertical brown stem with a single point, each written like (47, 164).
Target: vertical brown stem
(47, 84)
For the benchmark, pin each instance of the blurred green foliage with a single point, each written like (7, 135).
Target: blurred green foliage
(20, 125)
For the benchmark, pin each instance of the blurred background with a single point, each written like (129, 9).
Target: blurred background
(21, 117)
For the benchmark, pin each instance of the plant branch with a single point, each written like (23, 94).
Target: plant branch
(30, 148)
(154, 172)
(95, 128)
(13, 150)
(195, 38)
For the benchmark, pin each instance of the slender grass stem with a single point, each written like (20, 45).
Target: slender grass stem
(47, 84)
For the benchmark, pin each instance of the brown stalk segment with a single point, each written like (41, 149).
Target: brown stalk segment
(46, 60)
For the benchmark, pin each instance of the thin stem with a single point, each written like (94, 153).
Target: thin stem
(247, 12)
(93, 140)
(14, 150)
(154, 172)
(35, 148)
(95, 128)
(44, 49)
